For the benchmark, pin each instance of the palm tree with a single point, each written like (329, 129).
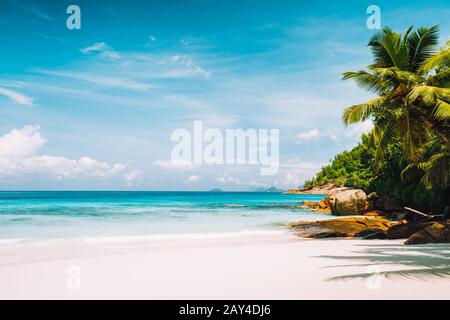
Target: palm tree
(412, 81)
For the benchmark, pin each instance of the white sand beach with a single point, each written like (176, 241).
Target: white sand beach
(261, 266)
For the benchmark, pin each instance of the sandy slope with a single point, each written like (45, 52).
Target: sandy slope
(273, 266)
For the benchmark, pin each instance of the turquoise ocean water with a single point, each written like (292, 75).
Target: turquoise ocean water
(29, 216)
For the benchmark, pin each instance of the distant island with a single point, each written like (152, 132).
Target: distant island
(271, 189)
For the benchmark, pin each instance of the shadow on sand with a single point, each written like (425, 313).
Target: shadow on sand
(420, 262)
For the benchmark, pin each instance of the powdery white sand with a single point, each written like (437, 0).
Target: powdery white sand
(272, 266)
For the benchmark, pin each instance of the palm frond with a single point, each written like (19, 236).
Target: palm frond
(367, 81)
(380, 54)
(361, 112)
(428, 94)
(411, 167)
(412, 82)
(407, 77)
(386, 135)
(406, 34)
(442, 110)
(438, 173)
(395, 75)
(374, 137)
(422, 45)
(440, 79)
(389, 49)
(414, 134)
(441, 58)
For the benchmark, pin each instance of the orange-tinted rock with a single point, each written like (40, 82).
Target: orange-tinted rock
(321, 206)
(404, 231)
(341, 227)
(436, 233)
(374, 214)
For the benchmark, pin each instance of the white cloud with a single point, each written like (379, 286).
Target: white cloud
(33, 9)
(115, 82)
(151, 38)
(258, 184)
(183, 59)
(202, 72)
(13, 84)
(132, 177)
(228, 179)
(193, 179)
(299, 165)
(217, 120)
(357, 129)
(19, 156)
(49, 37)
(175, 164)
(20, 143)
(112, 55)
(186, 61)
(96, 47)
(187, 102)
(103, 48)
(311, 135)
(294, 109)
(110, 81)
(336, 134)
(291, 180)
(293, 173)
(353, 131)
(16, 97)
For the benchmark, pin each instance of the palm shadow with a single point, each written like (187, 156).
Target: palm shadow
(420, 262)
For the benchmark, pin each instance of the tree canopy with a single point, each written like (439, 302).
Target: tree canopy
(408, 150)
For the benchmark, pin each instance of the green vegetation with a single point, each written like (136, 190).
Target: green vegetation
(350, 168)
(407, 154)
(357, 169)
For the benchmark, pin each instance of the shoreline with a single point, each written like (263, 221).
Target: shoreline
(270, 266)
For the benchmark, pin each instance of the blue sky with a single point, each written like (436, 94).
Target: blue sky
(94, 108)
